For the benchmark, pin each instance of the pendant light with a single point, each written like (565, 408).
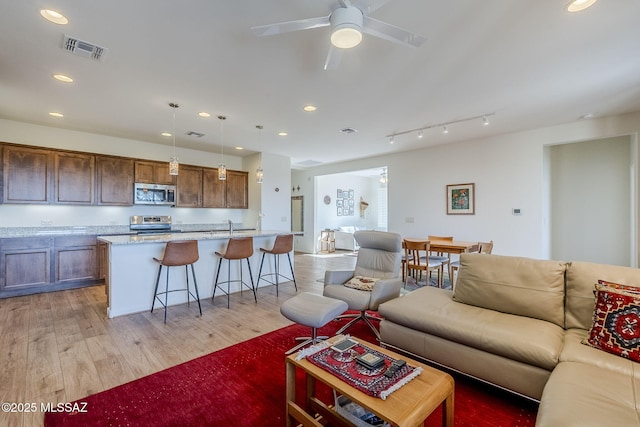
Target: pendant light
(383, 176)
(173, 163)
(259, 171)
(222, 169)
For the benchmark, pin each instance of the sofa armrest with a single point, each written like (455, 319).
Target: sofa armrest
(337, 277)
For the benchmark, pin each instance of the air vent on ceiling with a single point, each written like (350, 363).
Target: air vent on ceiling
(308, 163)
(348, 130)
(194, 133)
(82, 48)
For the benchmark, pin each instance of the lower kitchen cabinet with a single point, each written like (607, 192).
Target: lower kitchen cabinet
(41, 264)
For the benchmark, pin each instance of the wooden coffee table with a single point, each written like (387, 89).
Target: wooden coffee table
(408, 406)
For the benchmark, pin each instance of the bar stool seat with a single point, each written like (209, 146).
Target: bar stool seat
(176, 254)
(312, 310)
(238, 248)
(282, 245)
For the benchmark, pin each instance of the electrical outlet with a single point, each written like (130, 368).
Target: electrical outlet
(516, 211)
(409, 219)
(46, 222)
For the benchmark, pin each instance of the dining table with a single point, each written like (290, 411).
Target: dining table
(448, 246)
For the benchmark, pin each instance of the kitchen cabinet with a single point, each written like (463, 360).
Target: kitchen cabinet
(26, 175)
(153, 172)
(41, 264)
(74, 178)
(115, 180)
(189, 187)
(24, 263)
(237, 191)
(75, 258)
(213, 190)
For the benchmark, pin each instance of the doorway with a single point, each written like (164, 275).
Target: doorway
(592, 201)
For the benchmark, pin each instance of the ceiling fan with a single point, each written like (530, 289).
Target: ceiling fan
(348, 22)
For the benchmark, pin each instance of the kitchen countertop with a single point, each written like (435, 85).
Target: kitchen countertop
(105, 230)
(198, 235)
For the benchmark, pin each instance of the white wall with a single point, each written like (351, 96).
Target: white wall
(362, 187)
(42, 136)
(508, 172)
(273, 196)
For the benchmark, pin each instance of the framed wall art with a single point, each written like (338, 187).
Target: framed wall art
(461, 199)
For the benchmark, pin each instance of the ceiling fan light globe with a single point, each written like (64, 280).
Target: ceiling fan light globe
(346, 36)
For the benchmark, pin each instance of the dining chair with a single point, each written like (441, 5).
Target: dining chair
(417, 260)
(442, 257)
(483, 248)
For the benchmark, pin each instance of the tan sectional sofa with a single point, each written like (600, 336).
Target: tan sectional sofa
(518, 323)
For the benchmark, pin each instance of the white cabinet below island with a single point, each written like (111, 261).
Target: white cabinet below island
(132, 272)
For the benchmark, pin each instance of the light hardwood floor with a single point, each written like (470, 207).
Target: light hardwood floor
(60, 346)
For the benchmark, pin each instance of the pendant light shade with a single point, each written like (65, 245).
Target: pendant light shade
(259, 171)
(222, 169)
(174, 166)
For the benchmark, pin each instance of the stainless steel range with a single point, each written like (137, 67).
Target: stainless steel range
(150, 224)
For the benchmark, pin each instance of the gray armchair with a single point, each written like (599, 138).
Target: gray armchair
(379, 257)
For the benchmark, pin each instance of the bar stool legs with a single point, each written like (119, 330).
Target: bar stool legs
(282, 245)
(179, 253)
(237, 249)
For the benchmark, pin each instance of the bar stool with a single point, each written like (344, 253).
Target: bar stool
(282, 245)
(238, 248)
(177, 254)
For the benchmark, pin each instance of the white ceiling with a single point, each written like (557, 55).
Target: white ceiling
(530, 62)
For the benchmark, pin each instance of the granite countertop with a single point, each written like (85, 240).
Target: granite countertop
(107, 230)
(198, 235)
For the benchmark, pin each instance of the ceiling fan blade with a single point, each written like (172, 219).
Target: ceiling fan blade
(333, 58)
(344, 3)
(286, 27)
(392, 33)
(368, 6)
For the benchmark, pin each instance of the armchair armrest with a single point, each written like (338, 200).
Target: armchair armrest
(337, 277)
(383, 291)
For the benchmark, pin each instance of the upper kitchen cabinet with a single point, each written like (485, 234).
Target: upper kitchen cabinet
(74, 178)
(115, 180)
(26, 175)
(189, 187)
(153, 172)
(213, 190)
(237, 192)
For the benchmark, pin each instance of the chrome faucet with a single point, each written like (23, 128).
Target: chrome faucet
(230, 226)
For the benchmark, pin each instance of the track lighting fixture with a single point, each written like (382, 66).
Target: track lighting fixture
(444, 126)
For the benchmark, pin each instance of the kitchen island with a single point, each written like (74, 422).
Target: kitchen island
(132, 272)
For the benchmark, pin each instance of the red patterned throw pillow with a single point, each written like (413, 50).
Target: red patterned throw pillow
(616, 322)
(619, 286)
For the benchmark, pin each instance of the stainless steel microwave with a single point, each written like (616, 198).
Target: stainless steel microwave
(154, 194)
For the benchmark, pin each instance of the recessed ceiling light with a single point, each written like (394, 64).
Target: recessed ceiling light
(309, 108)
(166, 134)
(239, 148)
(282, 133)
(587, 116)
(204, 114)
(55, 114)
(62, 78)
(579, 5)
(53, 16)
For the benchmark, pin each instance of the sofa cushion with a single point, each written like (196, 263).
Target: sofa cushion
(574, 351)
(521, 286)
(616, 322)
(580, 395)
(581, 277)
(433, 311)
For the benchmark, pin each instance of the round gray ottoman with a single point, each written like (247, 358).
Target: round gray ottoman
(314, 311)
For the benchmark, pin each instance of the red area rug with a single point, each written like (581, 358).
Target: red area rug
(244, 385)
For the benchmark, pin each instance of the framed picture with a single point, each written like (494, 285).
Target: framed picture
(339, 203)
(461, 199)
(351, 194)
(339, 194)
